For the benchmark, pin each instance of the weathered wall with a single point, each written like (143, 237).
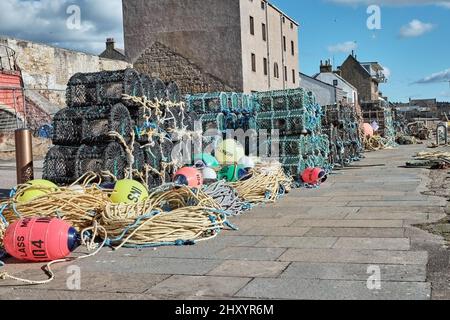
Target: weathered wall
(160, 61)
(48, 69)
(207, 32)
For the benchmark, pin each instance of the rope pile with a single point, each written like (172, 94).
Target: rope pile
(376, 143)
(78, 207)
(267, 183)
(433, 156)
(227, 197)
(174, 217)
(3, 225)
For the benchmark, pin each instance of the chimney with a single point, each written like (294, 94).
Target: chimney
(326, 67)
(110, 44)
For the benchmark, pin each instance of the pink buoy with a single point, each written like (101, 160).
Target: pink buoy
(368, 130)
(40, 239)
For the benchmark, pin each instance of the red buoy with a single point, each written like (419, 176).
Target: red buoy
(189, 176)
(314, 176)
(40, 239)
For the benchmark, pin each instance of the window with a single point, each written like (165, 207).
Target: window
(253, 62)
(276, 71)
(292, 25)
(293, 48)
(263, 5)
(252, 26)
(265, 66)
(293, 75)
(264, 34)
(284, 19)
(285, 74)
(284, 43)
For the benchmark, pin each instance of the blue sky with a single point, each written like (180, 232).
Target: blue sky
(410, 52)
(413, 43)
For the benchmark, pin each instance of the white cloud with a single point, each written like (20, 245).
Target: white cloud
(415, 28)
(442, 76)
(445, 3)
(345, 47)
(45, 21)
(387, 72)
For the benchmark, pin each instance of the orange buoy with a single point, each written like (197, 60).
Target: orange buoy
(314, 176)
(40, 239)
(189, 176)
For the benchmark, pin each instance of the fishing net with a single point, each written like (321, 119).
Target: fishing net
(147, 86)
(342, 125)
(109, 158)
(106, 87)
(284, 100)
(227, 197)
(160, 89)
(60, 164)
(173, 92)
(209, 103)
(99, 122)
(67, 128)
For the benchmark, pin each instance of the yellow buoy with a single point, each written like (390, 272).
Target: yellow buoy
(129, 192)
(38, 188)
(229, 151)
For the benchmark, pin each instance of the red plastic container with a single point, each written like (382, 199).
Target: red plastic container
(40, 239)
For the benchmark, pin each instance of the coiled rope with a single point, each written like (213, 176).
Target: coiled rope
(227, 197)
(267, 183)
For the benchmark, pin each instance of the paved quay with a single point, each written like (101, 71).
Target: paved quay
(327, 243)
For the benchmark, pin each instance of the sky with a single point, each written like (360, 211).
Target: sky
(410, 38)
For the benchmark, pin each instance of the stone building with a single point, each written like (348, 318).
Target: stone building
(326, 94)
(365, 77)
(111, 52)
(212, 45)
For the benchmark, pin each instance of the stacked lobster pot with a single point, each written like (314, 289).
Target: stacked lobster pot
(222, 111)
(299, 142)
(97, 131)
(297, 116)
(341, 124)
(384, 117)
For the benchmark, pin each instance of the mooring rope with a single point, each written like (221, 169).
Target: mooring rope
(227, 197)
(266, 184)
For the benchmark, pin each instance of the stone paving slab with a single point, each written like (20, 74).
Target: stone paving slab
(179, 287)
(373, 243)
(349, 223)
(108, 282)
(356, 256)
(352, 271)
(357, 232)
(250, 269)
(250, 253)
(145, 265)
(333, 290)
(297, 242)
(275, 231)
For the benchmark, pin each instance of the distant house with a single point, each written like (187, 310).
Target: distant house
(326, 94)
(112, 52)
(430, 104)
(350, 93)
(365, 77)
